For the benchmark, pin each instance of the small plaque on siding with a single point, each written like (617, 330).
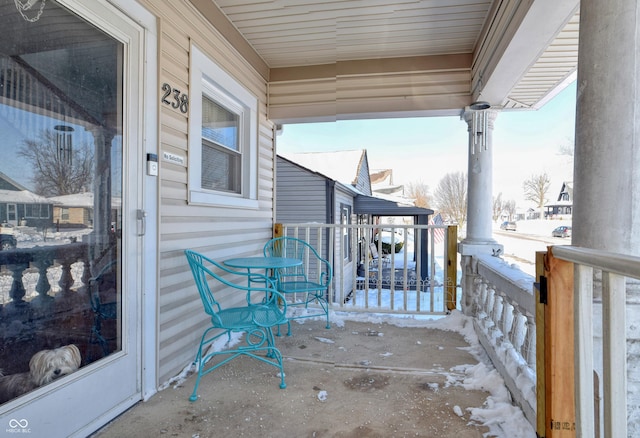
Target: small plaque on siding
(172, 158)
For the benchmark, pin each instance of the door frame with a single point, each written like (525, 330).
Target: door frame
(148, 329)
(15, 213)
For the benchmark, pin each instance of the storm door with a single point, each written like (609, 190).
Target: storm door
(69, 292)
(11, 214)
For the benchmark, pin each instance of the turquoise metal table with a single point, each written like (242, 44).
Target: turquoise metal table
(271, 265)
(262, 262)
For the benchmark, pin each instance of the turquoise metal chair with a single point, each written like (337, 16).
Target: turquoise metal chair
(265, 308)
(103, 283)
(308, 282)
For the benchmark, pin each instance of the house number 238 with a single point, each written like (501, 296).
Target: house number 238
(174, 98)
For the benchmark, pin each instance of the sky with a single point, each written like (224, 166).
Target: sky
(423, 150)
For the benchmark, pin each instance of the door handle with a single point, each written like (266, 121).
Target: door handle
(141, 216)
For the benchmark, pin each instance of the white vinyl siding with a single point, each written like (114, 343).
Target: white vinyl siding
(220, 232)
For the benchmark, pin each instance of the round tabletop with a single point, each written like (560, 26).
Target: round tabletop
(262, 262)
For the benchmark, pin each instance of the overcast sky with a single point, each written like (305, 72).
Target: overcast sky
(425, 149)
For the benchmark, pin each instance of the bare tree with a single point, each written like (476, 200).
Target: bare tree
(566, 148)
(451, 196)
(510, 208)
(535, 190)
(419, 191)
(498, 206)
(55, 174)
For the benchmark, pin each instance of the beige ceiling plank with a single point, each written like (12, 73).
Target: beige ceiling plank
(212, 14)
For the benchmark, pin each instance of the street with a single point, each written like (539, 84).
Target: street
(520, 246)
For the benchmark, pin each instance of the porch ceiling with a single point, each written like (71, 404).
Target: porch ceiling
(355, 58)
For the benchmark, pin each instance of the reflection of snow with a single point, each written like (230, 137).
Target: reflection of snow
(29, 237)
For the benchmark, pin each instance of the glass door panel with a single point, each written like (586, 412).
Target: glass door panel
(62, 111)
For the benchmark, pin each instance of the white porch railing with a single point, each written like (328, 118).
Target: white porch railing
(617, 273)
(366, 278)
(501, 301)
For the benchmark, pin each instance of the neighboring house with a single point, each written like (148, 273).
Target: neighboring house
(310, 189)
(76, 210)
(563, 205)
(19, 206)
(382, 183)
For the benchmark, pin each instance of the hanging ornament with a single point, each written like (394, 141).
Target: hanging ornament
(24, 6)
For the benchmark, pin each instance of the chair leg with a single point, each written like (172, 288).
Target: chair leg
(196, 362)
(326, 310)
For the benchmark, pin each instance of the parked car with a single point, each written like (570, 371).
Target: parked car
(562, 231)
(7, 240)
(508, 226)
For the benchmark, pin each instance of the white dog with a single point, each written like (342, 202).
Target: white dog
(44, 367)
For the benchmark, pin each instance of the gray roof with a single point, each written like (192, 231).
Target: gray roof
(382, 207)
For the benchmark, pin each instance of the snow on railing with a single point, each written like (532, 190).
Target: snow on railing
(502, 303)
(616, 273)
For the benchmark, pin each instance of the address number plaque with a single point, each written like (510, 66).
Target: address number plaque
(174, 98)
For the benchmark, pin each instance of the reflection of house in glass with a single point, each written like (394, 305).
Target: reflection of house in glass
(19, 206)
(76, 210)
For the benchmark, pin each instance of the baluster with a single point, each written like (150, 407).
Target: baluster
(42, 303)
(479, 299)
(489, 306)
(518, 332)
(506, 322)
(66, 279)
(86, 272)
(18, 309)
(529, 346)
(17, 291)
(496, 317)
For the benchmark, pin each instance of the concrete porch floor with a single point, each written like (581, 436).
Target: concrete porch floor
(379, 379)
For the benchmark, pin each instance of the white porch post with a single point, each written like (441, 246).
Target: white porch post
(479, 239)
(606, 204)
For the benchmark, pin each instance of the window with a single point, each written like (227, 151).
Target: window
(37, 211)
(345, 219)
(223, 126)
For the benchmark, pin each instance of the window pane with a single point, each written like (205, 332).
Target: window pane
(219, 124)
(220, 168)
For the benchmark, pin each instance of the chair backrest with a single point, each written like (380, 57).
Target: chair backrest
(203, 267)
(200, 271)
(313, 266)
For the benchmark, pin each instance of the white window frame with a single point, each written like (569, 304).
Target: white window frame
(206, 77)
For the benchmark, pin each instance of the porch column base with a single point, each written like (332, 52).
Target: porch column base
(473, 248)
